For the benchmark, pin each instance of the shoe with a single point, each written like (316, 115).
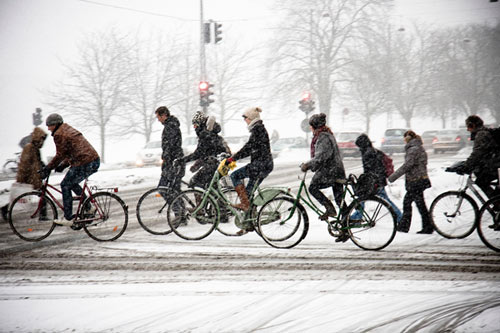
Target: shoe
(63, 221)
(330, 211)
(5, 212)
(342, 238)
(402, 227)
(495, 226)
(76, 226)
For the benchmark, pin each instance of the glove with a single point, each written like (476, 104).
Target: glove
(61, 167)
(44, 172)
(304, 167)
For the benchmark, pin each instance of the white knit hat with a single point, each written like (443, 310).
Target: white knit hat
(252, 113)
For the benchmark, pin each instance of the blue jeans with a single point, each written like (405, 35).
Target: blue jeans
(71, 182)
(383, 194)
(239, 175)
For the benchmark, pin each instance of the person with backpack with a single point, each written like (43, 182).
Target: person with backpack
(484, 160)
(416, 182)
(210, 144)
(373, 162)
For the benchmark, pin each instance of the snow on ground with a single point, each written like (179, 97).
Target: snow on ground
(253, 301)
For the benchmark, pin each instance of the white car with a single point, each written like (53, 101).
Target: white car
(150, 154)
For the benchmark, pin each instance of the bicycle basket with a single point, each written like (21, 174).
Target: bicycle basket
(365, 186)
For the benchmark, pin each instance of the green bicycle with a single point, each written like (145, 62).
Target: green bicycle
(194, 213)
(283, 221)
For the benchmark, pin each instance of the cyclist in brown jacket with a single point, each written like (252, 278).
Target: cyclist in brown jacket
(72, 150)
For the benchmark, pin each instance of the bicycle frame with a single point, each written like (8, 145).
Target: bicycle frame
(469, 185)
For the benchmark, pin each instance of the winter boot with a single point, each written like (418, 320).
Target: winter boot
(5, 212)
(403, 226)
(242, 194)
(427, 227)
(330, 211)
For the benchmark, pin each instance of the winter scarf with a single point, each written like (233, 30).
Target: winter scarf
(316, 135)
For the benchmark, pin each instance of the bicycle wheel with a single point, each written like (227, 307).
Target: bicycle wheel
(376, 228)
(107, 218)
(228, 223)
(151, 212)
(488, 227)
(282, 223)
(191, 216)
(31, 217)
(454, 214)
(10, 167)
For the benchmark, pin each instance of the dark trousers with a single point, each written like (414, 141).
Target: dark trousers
(416, 196)
(484, 183)
(71, 182)
(338, 189)
(171, 179)
(239, 175)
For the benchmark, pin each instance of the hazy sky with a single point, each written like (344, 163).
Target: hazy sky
(35, 35)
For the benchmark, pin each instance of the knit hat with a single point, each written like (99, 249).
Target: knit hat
(199, 118)
(363, 141)
(252, 113)
(317, 120)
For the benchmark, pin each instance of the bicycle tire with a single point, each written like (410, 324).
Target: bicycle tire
(465, 220)
(10, 167)
(151, 212)
(377, 227)
(26, 218)
(188, 226)
(228, 224)
(110, 217)
(280, 229)
(489, 220)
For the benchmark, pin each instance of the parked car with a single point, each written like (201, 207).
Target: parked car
(345, 141)
(285, 144)
(393, 141)
(450, 140)
(150, 154)
(428, 137)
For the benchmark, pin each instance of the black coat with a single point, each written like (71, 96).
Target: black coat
(171, 141)
(372, 160)
(485, 156)
(258, 148)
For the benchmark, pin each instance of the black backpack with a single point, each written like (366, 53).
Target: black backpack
(365, 186)
(495, 133)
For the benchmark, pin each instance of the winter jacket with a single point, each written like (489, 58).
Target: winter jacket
(31, 161)
(71, 148)
(258, 148)
(372, 159)
(171, 141)
(485, 156)
(415, 166)
(210, 144)
(326, 162)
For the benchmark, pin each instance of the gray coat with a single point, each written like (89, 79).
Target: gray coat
(327, 163)
(415, 165)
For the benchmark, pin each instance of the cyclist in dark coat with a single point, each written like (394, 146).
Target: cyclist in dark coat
(171, 144)
(484, 160)
(417, 181)
(210, 144)
(372, 163)
(261, 163)
(327, 164)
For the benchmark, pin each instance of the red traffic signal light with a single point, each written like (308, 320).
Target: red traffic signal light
(306, 96)
(203, 86)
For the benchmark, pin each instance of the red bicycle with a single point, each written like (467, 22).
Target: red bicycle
(100, 212)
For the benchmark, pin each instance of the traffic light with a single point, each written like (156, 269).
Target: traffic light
(205, 93)
(217, 32)
(206, 33)
(37, 117)
(306, 104)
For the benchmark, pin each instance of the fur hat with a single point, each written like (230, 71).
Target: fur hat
(252, 113)
(317, 120)
(199, 118)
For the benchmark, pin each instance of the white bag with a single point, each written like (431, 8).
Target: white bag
(19, 188)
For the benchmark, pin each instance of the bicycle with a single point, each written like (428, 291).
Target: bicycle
(102, 214)
(151, 209)
(194, 214)
(10, 166)
(488, 227)
(280, 219)
(455, 214)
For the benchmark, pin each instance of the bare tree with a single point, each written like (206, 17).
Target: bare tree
(93, 91)
(234, 73)
(310, 48)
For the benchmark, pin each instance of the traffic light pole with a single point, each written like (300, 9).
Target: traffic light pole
(203, 60)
